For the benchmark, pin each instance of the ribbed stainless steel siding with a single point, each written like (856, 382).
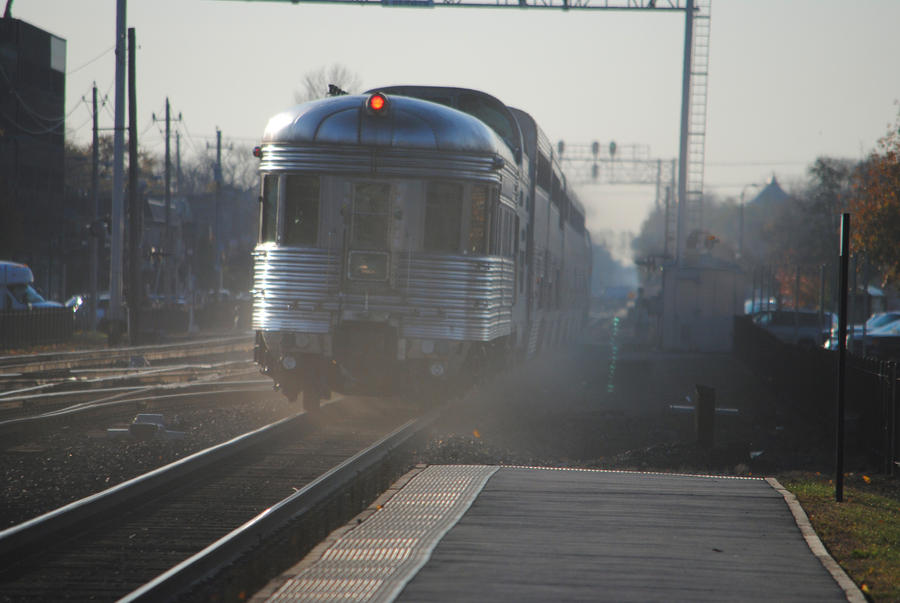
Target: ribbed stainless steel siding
(437, 297)
(294, 289)
(360, 161)
(459, 297)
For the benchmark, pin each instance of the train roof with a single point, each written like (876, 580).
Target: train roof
(405, 122)
(535, 139)
(486, 108)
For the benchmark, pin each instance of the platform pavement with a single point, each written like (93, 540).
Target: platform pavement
(482, 533)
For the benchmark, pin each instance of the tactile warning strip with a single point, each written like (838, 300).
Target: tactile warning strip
(374, 561)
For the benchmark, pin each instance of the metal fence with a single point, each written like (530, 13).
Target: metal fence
(24, 328)
(805, 379)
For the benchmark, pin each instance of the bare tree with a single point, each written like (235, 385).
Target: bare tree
(315, 83)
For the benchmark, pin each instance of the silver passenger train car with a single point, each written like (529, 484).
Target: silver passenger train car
(411, 233)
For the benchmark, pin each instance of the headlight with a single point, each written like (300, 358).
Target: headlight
(289, 362)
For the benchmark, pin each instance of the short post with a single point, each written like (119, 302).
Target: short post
(705, 415)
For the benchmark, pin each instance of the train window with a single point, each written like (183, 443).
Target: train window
(371, 212)
(443, 216)
(520, 257)
(503, 239)
(543, 172)
(491, 113)
(478, 226)
(577, 220)
(268, 206)
(301, 210)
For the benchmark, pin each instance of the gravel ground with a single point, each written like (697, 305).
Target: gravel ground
(53, 469)
(572, 409)
(575, 410)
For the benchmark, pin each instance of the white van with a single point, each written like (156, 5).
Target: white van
(16, 292)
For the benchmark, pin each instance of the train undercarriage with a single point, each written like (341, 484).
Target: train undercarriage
(370, 358)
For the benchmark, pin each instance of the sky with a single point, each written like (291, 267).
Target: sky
(789, 80)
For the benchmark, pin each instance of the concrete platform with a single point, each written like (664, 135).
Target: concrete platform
(482, 533)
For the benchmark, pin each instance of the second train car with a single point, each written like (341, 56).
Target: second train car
(408, 234)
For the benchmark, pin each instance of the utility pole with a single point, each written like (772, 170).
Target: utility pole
(178, 160)
(135, 215)
(95, 202)
(218, 176)
(169, 251)
(118, 202)
(170, 257)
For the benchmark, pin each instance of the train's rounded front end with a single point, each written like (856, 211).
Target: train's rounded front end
(374, 266)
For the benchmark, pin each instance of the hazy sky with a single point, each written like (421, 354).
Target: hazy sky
(789, 80)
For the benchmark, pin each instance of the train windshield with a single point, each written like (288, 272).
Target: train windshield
(301, 210)
(479, 220)
(371, 212)
(268, 208)
(443, 216)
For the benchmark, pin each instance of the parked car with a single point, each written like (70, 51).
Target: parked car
(883, 342)
(804, 327)
(874, 324)
(16, 290)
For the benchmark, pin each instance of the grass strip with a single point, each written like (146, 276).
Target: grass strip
(862, 533)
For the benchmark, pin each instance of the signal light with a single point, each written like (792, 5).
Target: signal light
(377, 103)
(257, 152)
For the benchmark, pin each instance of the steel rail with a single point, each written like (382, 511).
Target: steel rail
(29, 535)
(230, 548)
(249, 386)
(82, 385)
(105, 356)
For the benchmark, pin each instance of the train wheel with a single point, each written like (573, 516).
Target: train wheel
(290, 393)
(311, 400)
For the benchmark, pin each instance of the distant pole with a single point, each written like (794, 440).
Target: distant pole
(681, 235)
(666, 221)
(168, 257)
(95, 202)
(135, 224)
(658, 183)
(218, 236)
(178, 162)
(117, 214)
(842, 360)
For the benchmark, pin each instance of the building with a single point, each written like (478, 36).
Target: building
(32, 150)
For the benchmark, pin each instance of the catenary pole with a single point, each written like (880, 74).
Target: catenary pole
(118, 202)
(218, 236)
(95, 203)
(680, 234)
(169, 257)
(135, 215)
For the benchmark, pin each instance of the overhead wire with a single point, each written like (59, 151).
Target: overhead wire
(96, 58)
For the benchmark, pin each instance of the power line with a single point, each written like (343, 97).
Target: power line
(96, 58)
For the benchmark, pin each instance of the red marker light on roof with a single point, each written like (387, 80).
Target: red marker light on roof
(377, 103)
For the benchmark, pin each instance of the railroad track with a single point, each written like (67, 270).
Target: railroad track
(79, 382)
(120, 541)
(126, 387)
(57, 361)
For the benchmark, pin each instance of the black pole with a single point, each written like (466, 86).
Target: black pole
(842, 359)
(95, 202)
(135, 289)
